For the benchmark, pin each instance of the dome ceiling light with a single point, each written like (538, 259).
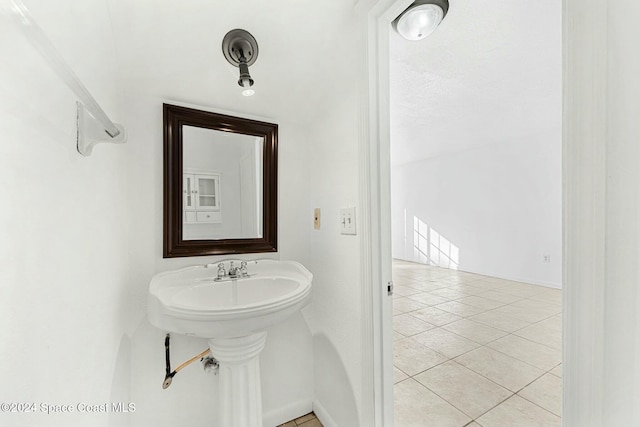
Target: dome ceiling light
(421, 18)
(240, 48)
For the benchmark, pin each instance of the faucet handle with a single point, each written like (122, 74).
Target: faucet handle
(243, 268)
(221, 271)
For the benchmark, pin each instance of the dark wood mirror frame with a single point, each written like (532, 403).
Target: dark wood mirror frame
(174, 118)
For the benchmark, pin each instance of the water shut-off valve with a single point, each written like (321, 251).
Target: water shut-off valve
(209, 363)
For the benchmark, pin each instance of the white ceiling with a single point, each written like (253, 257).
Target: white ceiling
(491, 73)
(172, 49)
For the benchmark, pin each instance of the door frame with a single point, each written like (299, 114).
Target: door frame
(584, 34)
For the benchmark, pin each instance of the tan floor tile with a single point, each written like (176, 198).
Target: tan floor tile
(535, 354)
(475, 276)
(439, 272)
(500, 297)
(416, 406)
(405, 305)
(412, 357)
(398, 375)
(445, 342)
(466, 289)
(408, 271)
(463, 310)
(471, 393)
(458, 280)
(547, 332)
(478, 301)
(426, 286)
(402, 281)
(415, 276)
(499, 321)
(515, 284)
(428, 299)
(507, 371)
(530, 312)
(496, 280)
(486, 284)
(408, 325)
(451, 294)
(397, 272)
(519, 412)
(305, 418)
(546, 391)
(312, 423)
(289, 424)
(521, 290)
(403, 291)
(554, 296)
(531, 315)
(533, 304)
(435, 316)
(474, 331)
(557, 371)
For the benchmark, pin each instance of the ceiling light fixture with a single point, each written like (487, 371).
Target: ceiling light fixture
(241, 50)
(421, 18)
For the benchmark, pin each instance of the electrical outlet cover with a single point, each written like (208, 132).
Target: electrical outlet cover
(316, 218)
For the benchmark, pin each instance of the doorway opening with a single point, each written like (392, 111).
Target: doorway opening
(476, 218)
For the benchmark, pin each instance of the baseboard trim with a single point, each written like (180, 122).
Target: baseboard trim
(522, 279)
(323, 415)
(286, 413)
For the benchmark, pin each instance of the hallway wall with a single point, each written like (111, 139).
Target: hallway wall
(495, 210)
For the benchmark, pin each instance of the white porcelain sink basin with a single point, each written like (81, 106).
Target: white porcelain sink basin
(233, 314)
(189, 301)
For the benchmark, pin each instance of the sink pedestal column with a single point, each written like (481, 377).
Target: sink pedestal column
(240, 401)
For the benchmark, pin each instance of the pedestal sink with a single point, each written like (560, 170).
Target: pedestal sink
(233, 314)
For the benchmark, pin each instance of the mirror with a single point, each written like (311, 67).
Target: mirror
(220, 184)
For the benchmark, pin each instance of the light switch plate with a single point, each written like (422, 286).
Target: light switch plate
(316, 218)
(348, 221)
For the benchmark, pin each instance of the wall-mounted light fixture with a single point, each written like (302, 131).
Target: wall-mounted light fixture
(421, 18)
(241, 50)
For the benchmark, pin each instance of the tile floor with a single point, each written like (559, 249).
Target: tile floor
(473, 350)
(308, 420)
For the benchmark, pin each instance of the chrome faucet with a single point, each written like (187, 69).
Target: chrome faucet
(233, 273)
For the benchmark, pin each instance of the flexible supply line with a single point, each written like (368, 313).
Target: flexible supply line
(170, 374)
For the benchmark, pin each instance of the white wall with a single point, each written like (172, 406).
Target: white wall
(68, 252)
(287, 360)
(83, 237)
(335, 261)
(317, 157)
(494, 210)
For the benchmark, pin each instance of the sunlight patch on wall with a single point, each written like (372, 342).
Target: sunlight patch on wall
(430, 247)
